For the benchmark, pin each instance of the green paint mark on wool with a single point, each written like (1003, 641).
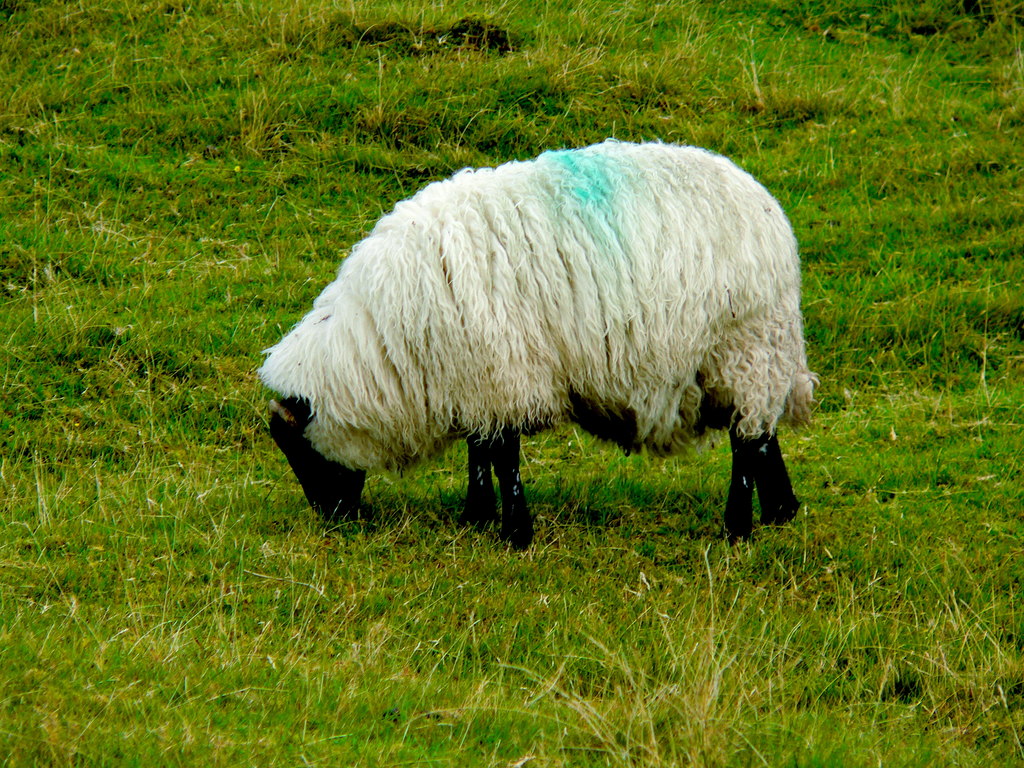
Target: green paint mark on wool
(588, 174)
(591, 183)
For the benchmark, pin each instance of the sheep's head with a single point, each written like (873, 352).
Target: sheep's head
(331, 489)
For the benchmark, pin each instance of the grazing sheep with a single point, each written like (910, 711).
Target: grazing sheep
(648, 292)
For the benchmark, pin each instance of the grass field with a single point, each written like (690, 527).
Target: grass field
(178, 181)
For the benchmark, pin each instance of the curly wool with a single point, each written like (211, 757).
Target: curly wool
(637, 282)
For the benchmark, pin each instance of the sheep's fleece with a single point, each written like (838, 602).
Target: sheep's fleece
(637, 281)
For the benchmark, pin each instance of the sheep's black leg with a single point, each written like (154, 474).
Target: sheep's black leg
(774, 490)
(516, 523)
(757, 462)
(739, 511)
(481, 505)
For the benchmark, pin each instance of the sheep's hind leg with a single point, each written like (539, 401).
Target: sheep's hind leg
(739, 505)
(516, 523)
(481, 504)
(774, 490)
(757, 462)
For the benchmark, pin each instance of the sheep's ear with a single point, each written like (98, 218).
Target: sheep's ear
(295, 413)
(276, 409)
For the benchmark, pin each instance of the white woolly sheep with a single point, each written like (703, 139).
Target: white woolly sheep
(648, 292)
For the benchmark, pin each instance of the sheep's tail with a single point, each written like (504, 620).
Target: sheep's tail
(801, 399)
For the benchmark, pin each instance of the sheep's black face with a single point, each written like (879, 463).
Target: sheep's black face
(331, 489)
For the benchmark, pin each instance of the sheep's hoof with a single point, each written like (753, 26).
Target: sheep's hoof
(738, 527)
(736, 538)
(518, 536)
(739, 530)
(478, 515)
(781, 514)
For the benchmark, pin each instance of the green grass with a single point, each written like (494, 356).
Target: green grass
(179, 180)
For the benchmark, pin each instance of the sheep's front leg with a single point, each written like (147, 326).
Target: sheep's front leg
(516, 523)
(481, 505)
(775, 492)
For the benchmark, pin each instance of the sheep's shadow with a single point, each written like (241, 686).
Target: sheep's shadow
(603, 498)
(691, 511)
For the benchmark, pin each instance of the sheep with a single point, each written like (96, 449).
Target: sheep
(649, 293)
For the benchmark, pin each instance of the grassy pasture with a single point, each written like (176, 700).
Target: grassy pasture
(178, 180)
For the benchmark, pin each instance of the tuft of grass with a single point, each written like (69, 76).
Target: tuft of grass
(178, 181)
